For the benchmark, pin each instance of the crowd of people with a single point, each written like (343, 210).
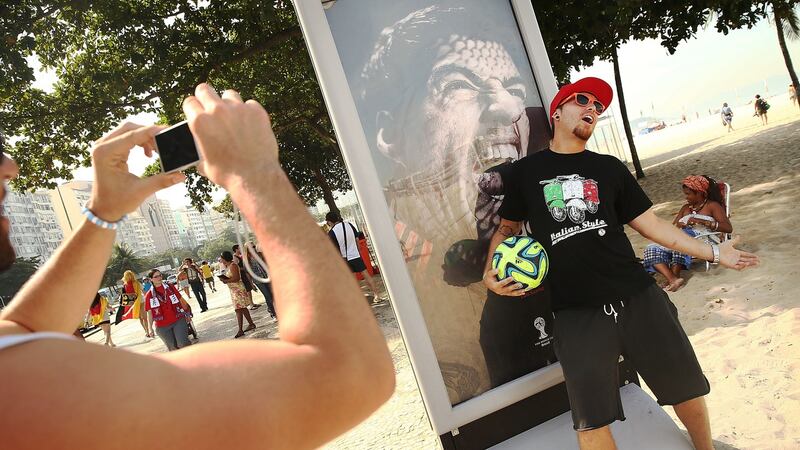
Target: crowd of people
(146, 300)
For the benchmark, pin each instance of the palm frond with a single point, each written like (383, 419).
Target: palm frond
(790, 24)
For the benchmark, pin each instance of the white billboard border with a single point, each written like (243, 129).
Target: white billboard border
(357, 156)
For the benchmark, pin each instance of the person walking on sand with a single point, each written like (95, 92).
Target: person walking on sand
(761, 107)
(247, 281)
(727, 116)
(132, 286)
(240, 296)
(208, 275)
(343, 234)
(101, 316)
(183, 281)
(264, 287)
(169, 311)
(602, 298)
(195, 277)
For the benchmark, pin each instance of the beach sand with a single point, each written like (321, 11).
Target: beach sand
(745, 326)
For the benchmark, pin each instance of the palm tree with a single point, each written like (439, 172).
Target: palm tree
(637, 165)
(787, 25)
(122, 259)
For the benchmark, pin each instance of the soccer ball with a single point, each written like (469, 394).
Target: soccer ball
(523, 259)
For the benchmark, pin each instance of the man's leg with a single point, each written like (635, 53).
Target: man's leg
(694, 415)
(370, 283)
(200, 300)
(597, 439)
(588, 347)
(660, 351)
(200, 293)
(265, 289)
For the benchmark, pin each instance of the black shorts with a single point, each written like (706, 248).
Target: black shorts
(356, 265)
(645, 330)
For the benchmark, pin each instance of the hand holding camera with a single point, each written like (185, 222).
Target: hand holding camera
(234, 138)
(116, 191)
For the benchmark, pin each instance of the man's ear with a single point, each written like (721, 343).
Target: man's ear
(386, 136)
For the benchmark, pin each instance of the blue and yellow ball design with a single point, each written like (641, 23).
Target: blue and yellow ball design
(523, 259)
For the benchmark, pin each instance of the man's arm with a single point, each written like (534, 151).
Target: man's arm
(329, 370)
(507, 286)
(331, 367)
(662, 232)
(80, 263)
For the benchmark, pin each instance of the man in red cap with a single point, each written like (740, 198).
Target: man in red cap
(576, 202)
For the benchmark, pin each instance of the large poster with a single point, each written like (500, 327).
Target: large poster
(446, 97)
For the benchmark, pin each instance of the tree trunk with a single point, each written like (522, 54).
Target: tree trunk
(623, 110)
(784, 50)
(327, 193)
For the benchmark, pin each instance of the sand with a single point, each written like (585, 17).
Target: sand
(745, 326)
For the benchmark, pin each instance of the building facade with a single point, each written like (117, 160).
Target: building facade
(34, 227)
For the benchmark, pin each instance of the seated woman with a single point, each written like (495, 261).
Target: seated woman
(703, 213)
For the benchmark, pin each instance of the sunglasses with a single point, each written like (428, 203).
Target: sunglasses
(583, 100)
(156, 275)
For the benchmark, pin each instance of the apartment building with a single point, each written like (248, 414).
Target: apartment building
(34, 226)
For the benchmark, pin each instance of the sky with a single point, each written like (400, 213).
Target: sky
(704, 72)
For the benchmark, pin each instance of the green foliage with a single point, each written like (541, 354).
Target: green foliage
(225, 207)
(211, 250)
(122, 259)
(577, 33)
(785, 17)
(167, 258)
(12, 279)
(117, 58)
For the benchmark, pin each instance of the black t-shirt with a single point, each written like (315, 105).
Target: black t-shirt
(576, 205)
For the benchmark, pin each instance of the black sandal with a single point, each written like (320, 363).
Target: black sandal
(239, 334)
(250, 328)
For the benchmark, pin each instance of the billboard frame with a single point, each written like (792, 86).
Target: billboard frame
(444, 417)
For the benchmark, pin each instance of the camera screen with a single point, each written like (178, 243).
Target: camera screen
(176, 147)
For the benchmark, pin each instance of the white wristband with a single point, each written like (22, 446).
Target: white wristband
(715, 252)
(100, 222)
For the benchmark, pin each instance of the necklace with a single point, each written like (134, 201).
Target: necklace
(696, 210)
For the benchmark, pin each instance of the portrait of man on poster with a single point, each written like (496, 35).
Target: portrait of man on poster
(447, 98)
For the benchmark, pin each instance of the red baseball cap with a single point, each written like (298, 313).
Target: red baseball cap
(595, 86)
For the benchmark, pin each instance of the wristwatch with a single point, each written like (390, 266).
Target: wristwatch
(715, 252)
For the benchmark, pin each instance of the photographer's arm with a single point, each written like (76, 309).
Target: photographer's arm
(77, 267)
(331, 367)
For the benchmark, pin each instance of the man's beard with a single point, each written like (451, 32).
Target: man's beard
(582, 133)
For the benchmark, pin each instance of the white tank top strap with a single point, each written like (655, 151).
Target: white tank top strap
(16, 339)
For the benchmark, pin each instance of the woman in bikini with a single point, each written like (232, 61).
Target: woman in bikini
(703, 213)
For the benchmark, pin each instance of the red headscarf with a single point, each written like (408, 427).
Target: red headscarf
(697, 183)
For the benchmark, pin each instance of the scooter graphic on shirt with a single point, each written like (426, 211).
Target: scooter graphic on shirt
(571, 196)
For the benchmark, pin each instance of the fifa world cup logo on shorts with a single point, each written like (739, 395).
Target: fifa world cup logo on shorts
(539, 325)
